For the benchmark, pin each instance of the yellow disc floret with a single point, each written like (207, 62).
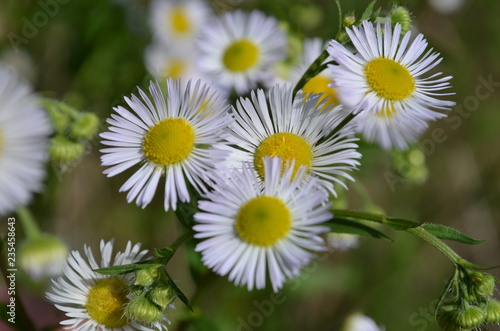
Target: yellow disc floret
(179, 20)
(389, 79)
(263, 221)
(169, 141)
(105, 302)
(241, 55)
(288, 147)
(319, 84)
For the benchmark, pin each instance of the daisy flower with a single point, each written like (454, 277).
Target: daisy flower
(93, 301)
(178, 22)
(359, 322)
(167, 138)
(164, 62)
(387, 79)
(251, 229)
(24, 139)
(292, 129)
(321, 83)
(238, 49)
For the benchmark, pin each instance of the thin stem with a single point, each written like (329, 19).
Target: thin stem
(28, 223)
(177, 243)
(339, 127)
(313, 70)
(434, 241)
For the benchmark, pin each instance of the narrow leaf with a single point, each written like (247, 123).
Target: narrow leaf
(179, 293)
(368, 11)
(342, 225)
(123, 269)
(448, 233)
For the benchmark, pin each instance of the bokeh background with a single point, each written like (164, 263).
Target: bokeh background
(90, 54)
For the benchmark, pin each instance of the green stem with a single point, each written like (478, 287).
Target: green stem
(339, 127)
(177, 243)
(28, 223)
(441, 246)
(312, 71)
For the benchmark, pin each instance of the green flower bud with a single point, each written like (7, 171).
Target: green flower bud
(142, 310)
(402, 16)
(64, 150)
(42, 256)
(349, 21)
(162, 296)
(85, 126)
(492, 312)
(445, 318)
(145, 277)
(470, 317)
(483, 284)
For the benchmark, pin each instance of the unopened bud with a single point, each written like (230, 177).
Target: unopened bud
(145, 277)
(402, 16)
(492, 312)
(64, 150)
(349, 21)
(142, 310)
(470, 317)
(43, 256)
(445, 318)
(85, 126)
(483, 284)
(162, 296)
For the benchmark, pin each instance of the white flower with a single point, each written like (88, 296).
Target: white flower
(167, 62)
(177, 23)
(24, 139)
(251, 229)
(359, 322)
(342, 241)
(321, 83)
(167, 138)
(386, 79)
(292, 130)
(93, 301)
(43, 256)
(238, 49)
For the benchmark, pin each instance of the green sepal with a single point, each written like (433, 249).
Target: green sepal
(178, 292)
(342, 225)
(126, 268)
(449, 233)
(368, 11)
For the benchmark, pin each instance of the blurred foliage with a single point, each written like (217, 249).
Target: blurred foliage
(90, 54)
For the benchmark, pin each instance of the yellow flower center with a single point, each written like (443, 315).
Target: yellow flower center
(263, 221)
(169, 141)
(389, 79)
(179, 20)
(241, 55)
(288, 147)
(387, 111)
(105, 302)
(174, 68)
(319, 84)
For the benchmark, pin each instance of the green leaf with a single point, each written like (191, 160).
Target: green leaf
(179, 293)
(123, 269)
(342, 225)
(448, 233)
(368, 11)
(395, 223)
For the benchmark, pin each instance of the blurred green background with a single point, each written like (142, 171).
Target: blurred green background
(90, 54)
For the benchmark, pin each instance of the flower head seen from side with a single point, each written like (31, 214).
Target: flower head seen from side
(250, 229)
(238, 49)
(387, 80)
(93, 301)
(168, 138)
(292, 129)
(178, 22)
(321, 83)
(24, 140)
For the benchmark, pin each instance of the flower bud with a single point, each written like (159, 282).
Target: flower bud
(142, 310)
(349, 21)
(85, 126)
(483, 284)
(470, 317)
(64, 150)
(492, 312)
(162, 296)
(445, 317)
(42, 256)
(402, 16)
(145, 277)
